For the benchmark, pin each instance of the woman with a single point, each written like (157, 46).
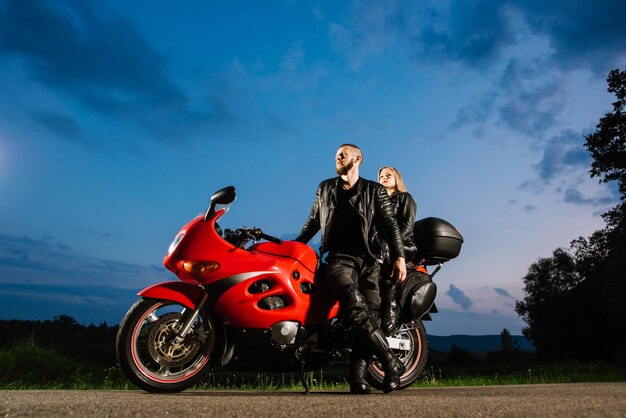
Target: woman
(404, 208)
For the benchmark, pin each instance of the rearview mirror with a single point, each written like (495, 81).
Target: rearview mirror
(224, 196)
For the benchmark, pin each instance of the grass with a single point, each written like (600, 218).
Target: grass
(570, 372)
(28, 365)
(319, 380)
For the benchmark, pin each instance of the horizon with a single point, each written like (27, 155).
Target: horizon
(498, 335)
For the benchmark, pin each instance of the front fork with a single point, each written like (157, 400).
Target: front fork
(186, 327)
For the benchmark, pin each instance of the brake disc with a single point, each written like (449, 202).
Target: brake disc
(161, 345)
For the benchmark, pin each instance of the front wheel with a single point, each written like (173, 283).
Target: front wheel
(148, 355)
(413, 354)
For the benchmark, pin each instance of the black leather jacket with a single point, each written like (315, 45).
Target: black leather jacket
(404, 208)
(371, 202)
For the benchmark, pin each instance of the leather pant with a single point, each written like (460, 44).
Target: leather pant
(389, 312)
(354, 280)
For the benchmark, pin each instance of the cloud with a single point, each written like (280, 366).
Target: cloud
(88, 304)
(293, 72)
(564, 162)
(478, 32)
(581, 34)
(503, 292)
(73, 45)
(46, 261)
(553, 41)
(530, 208)
(561, 154)
(244, 94)
(529, 48)
(57, 297)
(100, 60)
(471, 32)
(371, 29)
(62, 126)
(524, 97)
(574, 196)
(530, 98)
(66, 128)
(478, 111)
(280, 125)
(102, 234)
(459, 297)
(468, 32)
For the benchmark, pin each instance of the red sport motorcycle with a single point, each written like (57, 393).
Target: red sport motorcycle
(264, 307)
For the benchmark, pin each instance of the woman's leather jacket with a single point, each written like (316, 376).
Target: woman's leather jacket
(405, 208)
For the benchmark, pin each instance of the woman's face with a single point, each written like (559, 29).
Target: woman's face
(387, 179)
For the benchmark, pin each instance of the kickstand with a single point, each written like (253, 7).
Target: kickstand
(303, 378)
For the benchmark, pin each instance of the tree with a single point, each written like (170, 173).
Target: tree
(65, 320)
(607, 146)
(549, 307)
(509, 352)
(607, 143)
(507, 343)
(460, 357)
(575, 303)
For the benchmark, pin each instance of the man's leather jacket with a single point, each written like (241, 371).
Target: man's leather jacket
(371, 202)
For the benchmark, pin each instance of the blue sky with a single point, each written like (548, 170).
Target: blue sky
(119, 119)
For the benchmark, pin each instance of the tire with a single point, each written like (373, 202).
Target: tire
(146, 355)
(414, 358)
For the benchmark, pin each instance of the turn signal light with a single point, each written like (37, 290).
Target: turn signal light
(200, 267)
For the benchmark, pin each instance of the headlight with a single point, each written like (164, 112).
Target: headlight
(174, 244)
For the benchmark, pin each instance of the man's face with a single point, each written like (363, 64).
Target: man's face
(345, 160)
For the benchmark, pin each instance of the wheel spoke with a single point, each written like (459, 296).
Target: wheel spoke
(171, 351)
(152, 317)
(164, 370)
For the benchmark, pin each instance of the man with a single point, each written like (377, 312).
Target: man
(346, 209)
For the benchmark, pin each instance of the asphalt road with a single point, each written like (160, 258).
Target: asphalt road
(570, 400)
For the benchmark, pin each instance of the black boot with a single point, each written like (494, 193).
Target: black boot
(389, 314)
(358, 373)
(393, 367)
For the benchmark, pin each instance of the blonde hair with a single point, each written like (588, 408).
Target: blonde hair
(400, 187)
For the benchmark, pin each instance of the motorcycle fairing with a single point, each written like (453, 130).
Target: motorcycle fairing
(218, 287)
(185, 293)
(241, 306)
(297, 251)
(285, 266)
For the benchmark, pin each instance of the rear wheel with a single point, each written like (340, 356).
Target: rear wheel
(149, 356)
(414, 355)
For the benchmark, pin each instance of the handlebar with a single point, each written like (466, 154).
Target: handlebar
(240, 237)
(258, 233)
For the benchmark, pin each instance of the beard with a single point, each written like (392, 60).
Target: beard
(343, 170)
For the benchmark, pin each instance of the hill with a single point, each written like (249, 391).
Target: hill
(475, 343)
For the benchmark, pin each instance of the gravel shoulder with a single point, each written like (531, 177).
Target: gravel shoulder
(566, 400)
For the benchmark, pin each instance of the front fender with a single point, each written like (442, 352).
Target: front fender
(187, 294)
